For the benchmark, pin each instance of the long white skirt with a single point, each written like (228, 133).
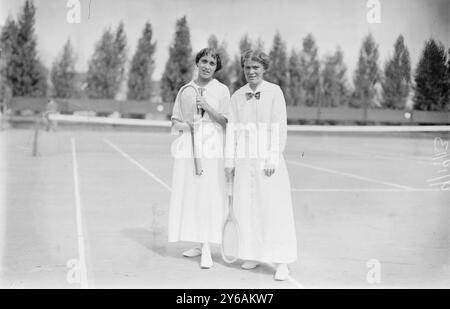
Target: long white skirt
(263, 208)
(197, 204)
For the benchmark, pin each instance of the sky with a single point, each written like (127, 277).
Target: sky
(332, 22)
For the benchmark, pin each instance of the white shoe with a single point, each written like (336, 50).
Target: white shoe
(206, 260)
(193, 252)
(282, 272)
(249, 265)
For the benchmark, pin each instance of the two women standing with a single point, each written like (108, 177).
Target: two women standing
(262, 197)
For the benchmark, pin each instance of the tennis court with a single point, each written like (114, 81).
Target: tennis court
(91, 211)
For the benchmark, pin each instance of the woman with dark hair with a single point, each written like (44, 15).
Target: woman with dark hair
(197, 208)
(255, 139)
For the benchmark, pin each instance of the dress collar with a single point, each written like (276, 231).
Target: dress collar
(211, 82)
(258, 89)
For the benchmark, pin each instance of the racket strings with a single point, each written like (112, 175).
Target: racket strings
(189, 112)
(230, 242)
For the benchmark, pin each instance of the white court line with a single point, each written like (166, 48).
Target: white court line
(375, 129)
(366, 190)
(292, 280)
(141, 167)
(349, 175)
(370, 150)
(81, 250)
(367, 153)
(437, 178)
(393, 154)
(114, 121)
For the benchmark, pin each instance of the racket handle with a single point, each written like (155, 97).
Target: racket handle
(230, 187)
(198, 167)
(200, 111)
(230, 197)
(197, 163)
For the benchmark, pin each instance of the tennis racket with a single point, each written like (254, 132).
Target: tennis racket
(230, 231)
(191, 113)
(201, 111)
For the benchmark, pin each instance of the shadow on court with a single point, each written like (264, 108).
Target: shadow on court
(149, 239)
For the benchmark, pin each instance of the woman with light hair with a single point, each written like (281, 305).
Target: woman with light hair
(255, 139)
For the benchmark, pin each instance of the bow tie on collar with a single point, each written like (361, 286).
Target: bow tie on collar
(250, 95)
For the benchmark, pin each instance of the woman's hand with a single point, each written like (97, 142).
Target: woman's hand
(229, 173)
(185, 126)
(178, 125)
(201, 102)
(269, 171)
(213, 114)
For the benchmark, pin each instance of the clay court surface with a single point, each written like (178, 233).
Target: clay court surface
(91, 211)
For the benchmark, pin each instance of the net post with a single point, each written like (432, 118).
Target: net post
(35, 137)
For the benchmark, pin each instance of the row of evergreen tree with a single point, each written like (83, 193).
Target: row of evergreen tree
(305, 79)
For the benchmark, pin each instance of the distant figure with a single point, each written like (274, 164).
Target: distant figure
(51, 108)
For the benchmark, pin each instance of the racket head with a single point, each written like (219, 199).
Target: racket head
(188, 103)
(230, 240)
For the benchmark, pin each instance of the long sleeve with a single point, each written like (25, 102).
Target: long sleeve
(230, 134)
(224, 104)
(278, 129)
(176, 109)
(177, 127)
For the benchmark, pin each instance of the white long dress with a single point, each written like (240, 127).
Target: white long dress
(197, 204)
(262, 204)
